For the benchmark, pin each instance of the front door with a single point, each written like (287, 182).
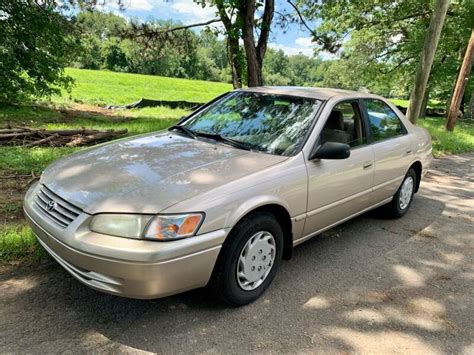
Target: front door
(338, 189)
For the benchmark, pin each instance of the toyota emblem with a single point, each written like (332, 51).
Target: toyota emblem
(51, 205)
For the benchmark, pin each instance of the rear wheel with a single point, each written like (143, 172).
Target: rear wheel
(402, 199)
(249, 259)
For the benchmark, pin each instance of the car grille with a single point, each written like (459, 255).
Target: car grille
(58, 210)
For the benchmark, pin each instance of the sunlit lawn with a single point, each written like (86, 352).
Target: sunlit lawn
(104, 87)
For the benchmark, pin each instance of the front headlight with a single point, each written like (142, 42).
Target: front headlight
(120, 225)
(160, 227)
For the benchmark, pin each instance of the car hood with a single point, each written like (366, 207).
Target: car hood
(149, 173)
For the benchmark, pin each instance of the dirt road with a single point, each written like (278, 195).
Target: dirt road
(370, 285)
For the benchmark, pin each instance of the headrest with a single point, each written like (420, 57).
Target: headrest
(335, 121)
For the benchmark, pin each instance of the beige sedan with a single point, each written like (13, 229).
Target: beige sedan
(222, 197)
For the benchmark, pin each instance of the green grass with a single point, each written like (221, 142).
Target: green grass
(461, 140)
(404, 103)
(104, 87)
(17, 242)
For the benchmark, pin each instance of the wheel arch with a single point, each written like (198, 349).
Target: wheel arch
(418, 168)
(282, 215)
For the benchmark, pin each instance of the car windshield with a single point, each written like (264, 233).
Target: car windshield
(269, 123)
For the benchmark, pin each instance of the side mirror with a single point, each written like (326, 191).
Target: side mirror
(332, 150)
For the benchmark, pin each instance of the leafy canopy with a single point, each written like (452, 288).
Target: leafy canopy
(37, 43)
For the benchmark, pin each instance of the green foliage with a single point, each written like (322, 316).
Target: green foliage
(281, 69)
(182, 55)
(459, 141)
(36, 44)
(381, 41)
(25, 161)
(17, 242)
(102, 87)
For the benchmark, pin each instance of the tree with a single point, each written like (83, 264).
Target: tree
(461, 83)
(240, 21)
(426, 61)
(37, 43)
(381, 40)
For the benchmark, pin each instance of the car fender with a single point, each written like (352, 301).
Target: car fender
(252, 204)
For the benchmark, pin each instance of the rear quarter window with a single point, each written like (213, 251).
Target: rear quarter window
(383, 121)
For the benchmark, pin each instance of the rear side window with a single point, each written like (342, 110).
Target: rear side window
(383, 122)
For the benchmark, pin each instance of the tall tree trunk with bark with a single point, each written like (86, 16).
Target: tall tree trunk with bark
(233, 54)
(255, 52)
(426, 61)
(461, 83)
(242, 23)
(424, 103)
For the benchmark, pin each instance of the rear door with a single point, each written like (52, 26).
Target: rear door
(338, 189)
(392, 148)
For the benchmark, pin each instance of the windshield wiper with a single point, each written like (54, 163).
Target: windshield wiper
(229, 141)
(183, 129)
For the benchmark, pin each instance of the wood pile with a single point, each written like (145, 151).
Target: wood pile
(30, 137)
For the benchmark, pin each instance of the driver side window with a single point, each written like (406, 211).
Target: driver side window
(344, 125)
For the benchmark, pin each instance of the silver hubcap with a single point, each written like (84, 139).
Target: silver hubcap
(256, 260)
(405, 192)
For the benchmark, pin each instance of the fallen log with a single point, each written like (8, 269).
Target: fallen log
(11, 130)
(42, 141)
(153, 103)
(16, 135)
(97, 137)
(29, 137)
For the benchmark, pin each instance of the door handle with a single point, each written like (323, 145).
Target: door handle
(367, 165)
(408, 151)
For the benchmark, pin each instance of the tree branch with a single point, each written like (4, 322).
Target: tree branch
(186, 27)
(302, 20)
(265, 28)
(403, 61)
(403, 18)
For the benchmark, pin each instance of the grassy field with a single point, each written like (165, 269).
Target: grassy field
(84, 107)
(104, 88)
(404, 103)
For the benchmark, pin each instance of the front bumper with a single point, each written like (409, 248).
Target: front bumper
(126, 267)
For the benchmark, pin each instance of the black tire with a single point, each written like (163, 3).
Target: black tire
(224, 279)
(393, 208)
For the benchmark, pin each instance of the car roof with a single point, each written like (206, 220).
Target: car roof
(309, 92)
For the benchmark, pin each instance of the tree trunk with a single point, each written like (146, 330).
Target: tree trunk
(233, 48)
(424, 103)
(426, 61)
(461, 83)
(233, 51)
(254, 67)
(470, 108)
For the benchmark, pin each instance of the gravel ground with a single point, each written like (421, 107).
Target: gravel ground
(369, 286)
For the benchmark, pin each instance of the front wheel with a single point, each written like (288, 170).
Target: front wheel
(249, 259)
(403, 198)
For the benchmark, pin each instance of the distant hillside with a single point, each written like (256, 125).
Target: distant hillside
(105, 87)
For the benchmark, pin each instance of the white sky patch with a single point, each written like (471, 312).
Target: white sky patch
(304, 42)
(301, 45)
(133, 5)
(190, 11)
(327, 56)
(184, 11)
(145, 5)
(397, 38)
